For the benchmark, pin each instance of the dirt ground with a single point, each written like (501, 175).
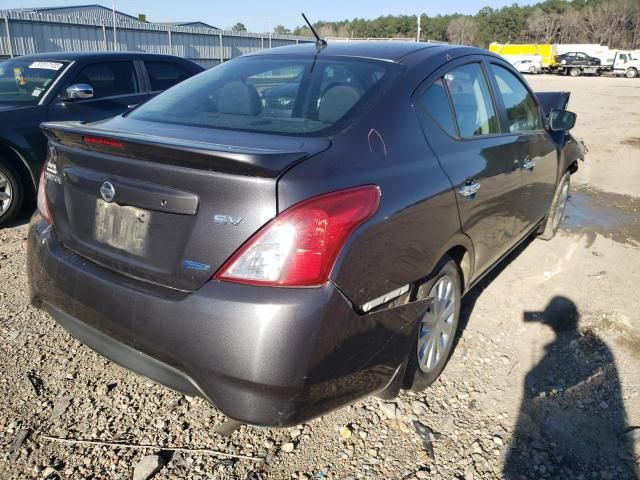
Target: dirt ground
(544, 382)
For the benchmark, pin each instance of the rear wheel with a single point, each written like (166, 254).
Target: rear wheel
(10, 193)
(556, 212)
(574, 72)
(631, 73)
(533, 70)
(437, 329)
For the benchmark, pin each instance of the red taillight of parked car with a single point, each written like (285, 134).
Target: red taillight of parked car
(42, 202)
(299, 247)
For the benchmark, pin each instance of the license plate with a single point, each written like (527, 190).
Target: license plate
(122, 227)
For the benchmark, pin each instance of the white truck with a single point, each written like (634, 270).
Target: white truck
(618, 62)
(626, 63)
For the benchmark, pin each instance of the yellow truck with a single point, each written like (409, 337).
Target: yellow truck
(545, 50)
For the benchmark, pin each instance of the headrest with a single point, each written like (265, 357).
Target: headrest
(238, 98)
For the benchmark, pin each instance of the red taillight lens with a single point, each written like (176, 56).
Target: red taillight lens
(300, 246)
(105, 142)
(42, 202)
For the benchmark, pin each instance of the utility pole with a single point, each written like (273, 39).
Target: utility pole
(114, 26)
(419, 30)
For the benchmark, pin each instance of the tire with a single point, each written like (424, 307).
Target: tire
(556, 211)
(11, 193)
(422, 370)
(631, 73)
(575, 72)
(533, 70)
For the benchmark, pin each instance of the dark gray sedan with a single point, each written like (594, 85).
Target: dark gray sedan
(282, 257)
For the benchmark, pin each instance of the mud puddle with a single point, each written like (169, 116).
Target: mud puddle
(612, 215)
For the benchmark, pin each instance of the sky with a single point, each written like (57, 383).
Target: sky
(263, 15)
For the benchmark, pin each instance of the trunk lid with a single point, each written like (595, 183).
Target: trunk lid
(166, 204)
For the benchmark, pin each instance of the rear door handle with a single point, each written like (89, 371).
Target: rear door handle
(469, 189)
(528, 163)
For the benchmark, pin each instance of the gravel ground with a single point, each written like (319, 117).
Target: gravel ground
(524, 396)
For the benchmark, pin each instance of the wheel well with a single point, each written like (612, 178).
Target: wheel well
(461, 256)
(573, 168)
(10, 156)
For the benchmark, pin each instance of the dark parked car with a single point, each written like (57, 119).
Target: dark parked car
(284, 266)
(68, 86)
(577, 58)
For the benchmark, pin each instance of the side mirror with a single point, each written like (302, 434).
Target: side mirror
(79, 91)
(561, 120)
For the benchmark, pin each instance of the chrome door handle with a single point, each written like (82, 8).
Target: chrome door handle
(469, 189)
(528, 163)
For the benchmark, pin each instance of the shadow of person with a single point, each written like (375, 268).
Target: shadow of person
(572, 419)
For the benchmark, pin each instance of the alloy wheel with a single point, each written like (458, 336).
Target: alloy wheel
(560, 206)
(436, 328)
(6, 194)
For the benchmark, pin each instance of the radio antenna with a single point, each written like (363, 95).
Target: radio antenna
(320, 42)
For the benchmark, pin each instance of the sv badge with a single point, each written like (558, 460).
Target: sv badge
(221, 219)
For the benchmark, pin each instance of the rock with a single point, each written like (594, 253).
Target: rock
(497, 440)
(418, 408)
(389, 410)
(147, 467)
(345, 432)
(427, 436)
(60, 406)
(288, 447)
(50, 473)
(422, 474)
(446, 424)
(19, 439)
(268, 443)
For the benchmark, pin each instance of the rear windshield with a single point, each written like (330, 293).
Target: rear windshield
(296, 95)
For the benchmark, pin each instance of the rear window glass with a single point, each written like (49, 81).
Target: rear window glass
(163, 75)
(436, 101)
(303, 95)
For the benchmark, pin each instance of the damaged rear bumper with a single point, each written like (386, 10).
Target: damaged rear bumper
(263, 356)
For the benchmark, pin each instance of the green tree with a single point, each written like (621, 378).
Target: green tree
(281, 30)
(239, 27)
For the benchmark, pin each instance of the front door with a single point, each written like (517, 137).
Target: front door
(535, 151)
(116, 88)
(463, 129)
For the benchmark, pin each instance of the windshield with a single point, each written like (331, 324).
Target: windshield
(291, 95)
(24, 82)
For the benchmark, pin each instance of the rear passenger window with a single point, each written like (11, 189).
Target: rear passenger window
(165, 74)
(109, 79)
(472, 101)
(522, 109)
(436, 102)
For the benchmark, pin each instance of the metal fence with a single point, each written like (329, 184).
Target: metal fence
(23, 33)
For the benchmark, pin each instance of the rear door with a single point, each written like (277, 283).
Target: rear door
(164, 74)
(116, 86)
(463, 128)
(534, 149)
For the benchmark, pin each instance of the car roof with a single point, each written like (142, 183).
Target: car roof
(389, 50)
(74, 56)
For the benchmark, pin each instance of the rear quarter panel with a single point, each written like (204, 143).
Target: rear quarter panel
(417, 220)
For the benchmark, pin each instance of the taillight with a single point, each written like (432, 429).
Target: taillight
(42, 202)
(299, 247)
